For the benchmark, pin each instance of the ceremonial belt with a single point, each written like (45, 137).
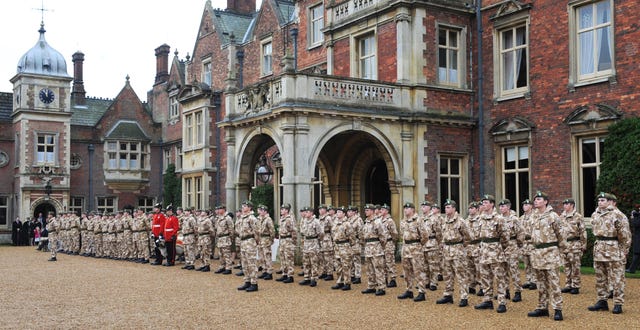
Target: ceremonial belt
(513, 237)
(475, 241)
(286, 236)
(139, 231)
(490, 240)
(187, 234)
(369, 240)
(606, 238)
(310, 237)
(412, 241)
(453, 243)
(546, 245)
(265, 235)
(573, 239)
(432, 237)
(205, 233)
(342, 242)
(120, 231)
(222, 235)
(244, 238)
(389, 239)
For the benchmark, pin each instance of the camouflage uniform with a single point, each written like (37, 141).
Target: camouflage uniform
(414, 235)
(267, 235)
(546, 237)
(127, 236)
(312, 231)
(111, 248)
(390, 247)
(344, 237)
(455, 235)
(576, 235)
(511, 224)
(431, 250)
(613, 239)
(140, 230)
(492, 258)
(473, 250)
(53, 227)
(288, 238)
(224, 228)
(97, 237)
(204, 236)
(327, 257)
(247, 230)
(356, 269)
(527, 248)
(188, 228)
(374, 237)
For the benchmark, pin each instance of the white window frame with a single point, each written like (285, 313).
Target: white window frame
(189, 132)
(146, 203)
(102, 204)
(316, 24)
(515, 202)
(461, 176)
(174, 107)
(459, 49)
(266, 57)
(500, 91)
(114, 154)
(575, 78)
(357, 56)
(74, 207)
(48, 157)
(207, 72)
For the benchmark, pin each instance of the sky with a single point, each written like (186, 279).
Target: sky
(118, 37)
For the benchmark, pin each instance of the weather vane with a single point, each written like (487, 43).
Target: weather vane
(42, 10)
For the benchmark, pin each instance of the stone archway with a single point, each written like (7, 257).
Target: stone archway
(44, 205)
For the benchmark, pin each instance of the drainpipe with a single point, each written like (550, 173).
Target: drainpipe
(480, 97)
(240, 57)
(91, 149)
(216, 104)
(294, 35)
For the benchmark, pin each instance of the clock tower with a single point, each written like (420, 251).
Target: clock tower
(42, 121)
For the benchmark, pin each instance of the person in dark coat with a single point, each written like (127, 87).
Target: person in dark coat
(24, 233)
(16, 226)
(635, 230)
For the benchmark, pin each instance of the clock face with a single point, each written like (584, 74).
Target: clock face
(47, 96)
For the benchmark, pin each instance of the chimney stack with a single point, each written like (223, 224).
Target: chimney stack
(241, 6)
(162, 64)
(78, 93)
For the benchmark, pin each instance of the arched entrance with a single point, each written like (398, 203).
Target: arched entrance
(260, 154)
(44, 208)
(376, 184)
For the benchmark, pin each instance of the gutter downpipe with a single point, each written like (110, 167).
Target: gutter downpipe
(480, 98)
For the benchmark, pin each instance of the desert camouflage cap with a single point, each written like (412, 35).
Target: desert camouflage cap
(473, 205)
(341, 209)
(286, 206)
(352, 208)
(488, 197)
(409, 205)
(450, 202)
(569, 201)
(305, 209)
(386, 207)
(262, 207)
(425, 203)
(526, 201)
(248, 203)
(505, 202)
(541, 194)
(369, 207)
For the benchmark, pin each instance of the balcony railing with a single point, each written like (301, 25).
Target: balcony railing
(346, 9)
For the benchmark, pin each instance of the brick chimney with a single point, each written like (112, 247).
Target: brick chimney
(78, 93)
(162, 63)
(241, 6)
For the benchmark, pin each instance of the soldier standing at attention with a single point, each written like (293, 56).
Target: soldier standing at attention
(356, 222)
(343, 237)
(390, 248)
(140, 229)
(473, 262)
(189, 239)
(493, 239)
(547, 239)
(527, 247)
(267, 235)
(512, 225)
(414, 235)
(53, 226)
(327, 258)
(171, 227)
(375, 238)
(205, 231)
(576, 235)
(288, 238)
(157, 229)
(312, 231)
(247, 229)
(224, 231)
(455, 235)
(613, 239)
(431, 248)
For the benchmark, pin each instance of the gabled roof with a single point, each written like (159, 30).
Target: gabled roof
(127, 130)
(227, 23)
(285, 11)
(6, 106)
(90, 114)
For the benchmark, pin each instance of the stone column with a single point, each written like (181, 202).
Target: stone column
(404, 42)
(230, 185)
(329, 45)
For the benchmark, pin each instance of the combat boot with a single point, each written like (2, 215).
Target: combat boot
(226, 272)
(484, 305)
(472, 290)
(301, 273)
(566, 290)
(445, 300)
(244, 286)
(433, 287)
(533, 286)
(480, 293)
(575, 290)
(463, 303)
(53, 259)
(502, 308)
(304, 282)
(617, 309)
(356, 281)
(281, 278)
(337, 286)
(240, 273)
(407, 294)
(600, 305)
(329, 277)
(346, 287)
(261, 276)
(558, 315)
(289, 279)
(268, 277)
(440, 278)
(313, 283)
(420, 297)
(205, 269)
(368, 290)
(538, 312)
(392, 284)
(322, 276)
(517, 297)
(380, 292)
(526, 285)
(252, 288)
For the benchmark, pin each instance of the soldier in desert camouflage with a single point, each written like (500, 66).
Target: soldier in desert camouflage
(188, 227)
(205, 232)
(455, 235)
(431, 249)
(357, 223)
(576, 234)
(512, 225)
(247, 229)
(326, 256)
(224, 231)
(267, 235)
(343, 238)
(547, 239)
(473, 261)
(288, 236)
(390, 248)
(313, 233)
(414, 235)
(527, 247)
(613, 239)
(374, 237)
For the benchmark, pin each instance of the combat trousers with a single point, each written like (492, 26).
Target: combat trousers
(343, 263)
(530, 274)
(204, 249)
(226, 262)
(53, 244)
(248, 259)
(266, 257)
(327, 262)
(310, 265)
(356, 270)
(189, 244)
(610, 273)
(432, 266)
(287, 250)
(572, 261)
(375, 272)
(414, 270)
(548, 283)
(456, 268)
(390, 259)
(489, 273)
